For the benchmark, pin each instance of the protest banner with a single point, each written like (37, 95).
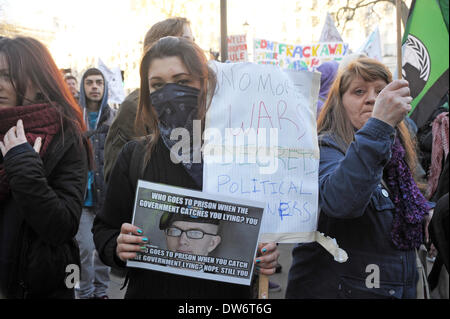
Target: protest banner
(237, 48)
(260, 143)
(194, 234)
(297, 57)
(115, 83)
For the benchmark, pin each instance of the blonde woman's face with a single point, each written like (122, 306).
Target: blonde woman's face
(359, 100)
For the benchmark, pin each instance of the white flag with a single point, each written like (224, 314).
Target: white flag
(329, 31)
(115, 85)
(372, 46)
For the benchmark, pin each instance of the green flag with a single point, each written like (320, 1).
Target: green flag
(425, 58)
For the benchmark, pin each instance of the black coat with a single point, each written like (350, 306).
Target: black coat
(40, 219)
(118, 209)
(98, 138)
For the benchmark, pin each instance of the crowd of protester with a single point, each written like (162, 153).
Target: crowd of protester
(67, 185)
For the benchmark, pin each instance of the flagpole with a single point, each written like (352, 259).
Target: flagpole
(399, 39)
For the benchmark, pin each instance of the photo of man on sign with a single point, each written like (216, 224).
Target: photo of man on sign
(190, 234)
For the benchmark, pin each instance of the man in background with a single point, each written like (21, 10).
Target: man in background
(98, 116)
(72, 83)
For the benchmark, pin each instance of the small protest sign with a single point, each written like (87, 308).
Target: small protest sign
(195, 234)
(237, 48)
(115, 83)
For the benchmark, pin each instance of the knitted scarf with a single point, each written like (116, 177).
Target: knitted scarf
(439, 151)
(410, 204)
(39, 120)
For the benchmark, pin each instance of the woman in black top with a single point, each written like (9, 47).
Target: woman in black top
(43, 169)
(175, 83)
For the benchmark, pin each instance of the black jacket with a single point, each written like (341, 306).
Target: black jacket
(118, 209)
(121, 131)
(40, 219)
(98, 137)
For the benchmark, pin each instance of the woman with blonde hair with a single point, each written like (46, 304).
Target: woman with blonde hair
(368, 198)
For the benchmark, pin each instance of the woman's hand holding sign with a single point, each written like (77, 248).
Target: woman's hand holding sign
(267, 258)
(393, 103)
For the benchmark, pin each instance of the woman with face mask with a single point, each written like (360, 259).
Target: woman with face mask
(175, 83)
(122, 128)
(43, 169)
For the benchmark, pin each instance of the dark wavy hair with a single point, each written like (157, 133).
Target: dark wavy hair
(30, 62)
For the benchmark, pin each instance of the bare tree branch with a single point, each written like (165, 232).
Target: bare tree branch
(347, 12)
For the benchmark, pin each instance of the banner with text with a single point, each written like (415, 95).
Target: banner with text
(297, 57)
(237, 48)
(195, 234)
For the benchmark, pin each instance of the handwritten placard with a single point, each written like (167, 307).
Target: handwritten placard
(297, 57)
(261, 144)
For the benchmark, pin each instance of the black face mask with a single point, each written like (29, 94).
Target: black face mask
(177, 107)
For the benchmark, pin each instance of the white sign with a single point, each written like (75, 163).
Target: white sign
(261, 144)
(194, 234)
(329, 31)
(372, 46)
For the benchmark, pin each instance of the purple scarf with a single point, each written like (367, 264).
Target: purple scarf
(410, 205)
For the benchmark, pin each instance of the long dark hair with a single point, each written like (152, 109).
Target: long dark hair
(196, 63)
(30, 62)
(333, 117)
(169, 27)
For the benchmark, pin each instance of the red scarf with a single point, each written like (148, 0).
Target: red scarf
(39, 120)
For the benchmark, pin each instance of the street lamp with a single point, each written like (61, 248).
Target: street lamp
(246, 26)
